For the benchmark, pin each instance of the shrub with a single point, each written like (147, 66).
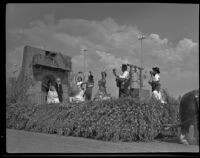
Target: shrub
(109, 120)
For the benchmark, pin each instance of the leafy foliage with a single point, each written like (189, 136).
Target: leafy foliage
(11, 93)
(109, 120)
(16, 90)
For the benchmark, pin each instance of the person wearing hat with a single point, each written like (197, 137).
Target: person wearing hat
(155, 78)
(123, 81)
(155, 83)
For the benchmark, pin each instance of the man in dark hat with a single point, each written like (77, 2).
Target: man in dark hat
(123, 81)
(155, 78)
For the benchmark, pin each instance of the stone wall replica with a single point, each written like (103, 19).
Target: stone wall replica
(40, 66)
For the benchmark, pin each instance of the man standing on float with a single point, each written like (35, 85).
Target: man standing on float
(123, 81)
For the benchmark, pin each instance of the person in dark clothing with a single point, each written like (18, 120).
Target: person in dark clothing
(59, 89)
(89, 87)
(123, 81)
(155, 79)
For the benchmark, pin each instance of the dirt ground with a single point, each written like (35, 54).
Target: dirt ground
(29, 142)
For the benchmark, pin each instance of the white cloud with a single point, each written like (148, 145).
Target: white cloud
(186, 44)
(67, 39)
(50, 18)
(110, 60)
(157, 38)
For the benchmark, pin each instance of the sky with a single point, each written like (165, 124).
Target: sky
(109, 32)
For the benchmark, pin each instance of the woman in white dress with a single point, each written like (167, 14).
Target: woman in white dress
(155, 83)
(52, 96)
(79, 97)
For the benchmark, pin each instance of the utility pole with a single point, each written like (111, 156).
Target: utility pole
(141, 38)
(84, 60)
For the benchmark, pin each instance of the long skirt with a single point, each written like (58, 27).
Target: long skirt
(52, 100)
(78, 98)
(158, 96)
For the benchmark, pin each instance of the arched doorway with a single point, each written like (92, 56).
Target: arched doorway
(47, 80)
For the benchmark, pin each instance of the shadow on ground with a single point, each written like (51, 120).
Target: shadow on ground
(168, 139)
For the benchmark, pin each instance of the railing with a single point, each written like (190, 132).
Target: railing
(39, 98)
(42, 98)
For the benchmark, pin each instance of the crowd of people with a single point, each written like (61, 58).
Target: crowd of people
(84, 88)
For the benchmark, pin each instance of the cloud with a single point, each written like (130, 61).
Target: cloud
(157, 39)
(110, 60)
(50, 18)
(78, 62)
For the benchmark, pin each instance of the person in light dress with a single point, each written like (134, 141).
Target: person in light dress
(155, 84)
(79, 97)
(102, 92)
(52, 96)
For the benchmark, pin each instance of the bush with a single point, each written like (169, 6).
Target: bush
(108, 120)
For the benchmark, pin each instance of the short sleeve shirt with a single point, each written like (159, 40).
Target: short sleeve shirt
(156, 78)
(124, 75)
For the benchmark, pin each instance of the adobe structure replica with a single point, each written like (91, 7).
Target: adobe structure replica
(136, 84)
(41, 66)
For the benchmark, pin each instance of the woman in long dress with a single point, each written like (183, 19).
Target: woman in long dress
(102, 93)
(155, 83)
(79, 97)
(52, 96)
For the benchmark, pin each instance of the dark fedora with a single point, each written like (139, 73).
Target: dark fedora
(124, 66)
(156, 69)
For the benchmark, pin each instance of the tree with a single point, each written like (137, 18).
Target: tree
(11, 90)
